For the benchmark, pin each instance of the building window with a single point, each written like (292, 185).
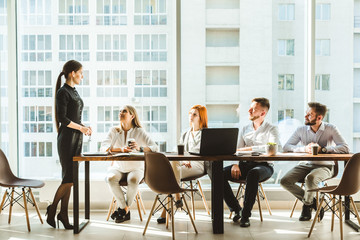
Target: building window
(286, 81)
(286, 12)
(322, 47)
(153, 118)
(322, 82)
(37, 119)
(150, 47)
(107, 117)
(3, 13)
(37, 149)
(111, 48)
(35, 13)
(286, 47)
(150, 83)
(150, 12)
(37, 83)
(285, 114)
(112, 83)
(111, 12)
(323, 12)
(36, 48)
(74, 47)
(74, 12)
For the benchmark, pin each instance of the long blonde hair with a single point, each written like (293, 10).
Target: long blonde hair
(136, 121)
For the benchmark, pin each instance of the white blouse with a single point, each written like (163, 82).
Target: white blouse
(116, 139)
(191, 141)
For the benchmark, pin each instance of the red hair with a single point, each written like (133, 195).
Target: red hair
(202, 114)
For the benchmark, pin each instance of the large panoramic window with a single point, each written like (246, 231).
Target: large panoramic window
(106, 46)
(4, 107)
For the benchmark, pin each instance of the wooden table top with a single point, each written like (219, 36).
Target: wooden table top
(188, 157)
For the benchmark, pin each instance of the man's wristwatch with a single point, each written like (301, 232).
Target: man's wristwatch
(323, 150)
(141, 149)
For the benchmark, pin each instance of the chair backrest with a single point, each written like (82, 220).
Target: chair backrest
(159, 175)
(350, 180)
(336, 169)
(6, 174)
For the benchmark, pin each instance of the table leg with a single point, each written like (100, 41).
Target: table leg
(217, 195)
(76, 196)
(87, 190)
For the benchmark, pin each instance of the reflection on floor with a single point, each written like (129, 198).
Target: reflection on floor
(278, 226)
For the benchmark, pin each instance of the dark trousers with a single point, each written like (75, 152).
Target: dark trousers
(253, 173)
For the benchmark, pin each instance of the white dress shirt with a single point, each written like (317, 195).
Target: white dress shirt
(116, 139)
(327, 136)
(258, 139)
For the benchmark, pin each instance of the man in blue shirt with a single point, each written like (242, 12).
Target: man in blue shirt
(329, 140)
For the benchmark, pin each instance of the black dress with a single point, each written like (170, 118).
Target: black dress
(69, 108)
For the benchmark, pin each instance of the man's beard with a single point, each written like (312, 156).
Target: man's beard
(253, 118)
(310, 123)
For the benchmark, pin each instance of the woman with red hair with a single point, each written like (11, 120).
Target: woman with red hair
(191, 140)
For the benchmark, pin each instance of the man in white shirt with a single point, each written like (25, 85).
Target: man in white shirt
(328, 137)
(253, 137)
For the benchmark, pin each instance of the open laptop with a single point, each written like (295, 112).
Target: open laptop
(218, 141)
(100, 153)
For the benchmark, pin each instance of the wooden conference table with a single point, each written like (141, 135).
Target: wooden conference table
(214, 166)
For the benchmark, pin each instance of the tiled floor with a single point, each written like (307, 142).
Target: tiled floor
(278, 226)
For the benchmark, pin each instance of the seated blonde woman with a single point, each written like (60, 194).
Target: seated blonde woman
(132, 171)
(191, 139)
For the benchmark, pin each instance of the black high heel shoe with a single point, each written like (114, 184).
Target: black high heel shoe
(50, 220)
(65, 222)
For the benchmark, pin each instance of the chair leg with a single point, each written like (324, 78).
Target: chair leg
(26, 210)
(237, 195)
(3, 201)
(173, 219)
(110, 208)
(141, 203)
(316, 216)
(11, 204)
(355, 209)
(36, 206)
(340, 218)
(138, 206)
(203, 198)
(167, 214)
(192, 199)
(191, 219)
(296, 201)
(258, 200)
(333, 212)
(265, 198)
(151, 212)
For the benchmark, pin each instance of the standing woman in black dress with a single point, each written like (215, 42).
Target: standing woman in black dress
(68, 110)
